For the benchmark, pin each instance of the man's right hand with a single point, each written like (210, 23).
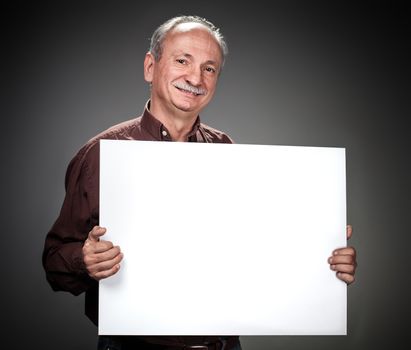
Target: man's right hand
(102, 258)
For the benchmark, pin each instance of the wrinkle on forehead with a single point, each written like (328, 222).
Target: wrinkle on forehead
(185, 28)
(192, 40)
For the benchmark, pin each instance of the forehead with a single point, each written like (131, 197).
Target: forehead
(193, 39)
(186, 27)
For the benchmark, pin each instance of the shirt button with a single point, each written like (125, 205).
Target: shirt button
(164, 133)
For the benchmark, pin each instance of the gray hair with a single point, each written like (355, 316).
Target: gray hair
(157, 39)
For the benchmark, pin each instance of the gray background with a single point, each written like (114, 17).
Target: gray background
(299, 73)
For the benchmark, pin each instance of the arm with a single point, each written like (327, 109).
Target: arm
(344, 261)
(62, 254)
(73, 255)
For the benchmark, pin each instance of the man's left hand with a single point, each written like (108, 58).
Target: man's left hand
(344, 261)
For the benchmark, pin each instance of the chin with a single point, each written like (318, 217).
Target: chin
(188, 111)
(187, 107)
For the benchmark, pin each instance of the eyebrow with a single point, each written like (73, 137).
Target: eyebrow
(206, 62)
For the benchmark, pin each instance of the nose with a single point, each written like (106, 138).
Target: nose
(194, 76)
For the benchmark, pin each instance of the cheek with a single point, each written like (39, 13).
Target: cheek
(173, 72)
(211, 84)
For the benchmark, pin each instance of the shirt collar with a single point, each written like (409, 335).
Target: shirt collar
(158, 130)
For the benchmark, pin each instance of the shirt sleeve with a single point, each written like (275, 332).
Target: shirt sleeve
(62, 255)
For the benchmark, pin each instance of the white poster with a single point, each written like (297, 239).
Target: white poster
(222, 239)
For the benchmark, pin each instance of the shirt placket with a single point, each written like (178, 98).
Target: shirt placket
(165, 134)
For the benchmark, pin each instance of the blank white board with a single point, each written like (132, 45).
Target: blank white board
(222, 239)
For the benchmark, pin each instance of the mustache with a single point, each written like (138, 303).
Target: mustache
(190, 88)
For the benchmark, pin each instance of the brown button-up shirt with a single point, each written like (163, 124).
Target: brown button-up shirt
(62, 256)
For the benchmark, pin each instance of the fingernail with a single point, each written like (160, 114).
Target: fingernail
(330, 260)
(335, 252)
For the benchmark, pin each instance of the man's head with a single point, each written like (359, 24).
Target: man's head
(161, 32)
(185, 59)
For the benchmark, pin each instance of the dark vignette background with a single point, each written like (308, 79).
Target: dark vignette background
(299, 73)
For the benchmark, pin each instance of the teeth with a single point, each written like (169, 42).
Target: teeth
(191, 92)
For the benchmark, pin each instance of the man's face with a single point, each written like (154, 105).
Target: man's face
(185, 77)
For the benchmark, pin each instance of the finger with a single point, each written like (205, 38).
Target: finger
(345, 251)
(346, 268)
(107, 255)
(342, 259)
(349, 231)
(95, 234)
(107, 273)
(92, 247)
(100, 269)
(105, 265)
(347, 278)
(102, 246)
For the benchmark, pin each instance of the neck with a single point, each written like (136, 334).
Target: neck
(178, 123)
(178, 129)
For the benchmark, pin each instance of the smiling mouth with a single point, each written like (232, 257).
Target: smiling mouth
(186, 91)
(192, 90)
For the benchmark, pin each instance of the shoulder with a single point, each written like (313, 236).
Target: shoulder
(214, 135)
(122, 131)
(88, 155)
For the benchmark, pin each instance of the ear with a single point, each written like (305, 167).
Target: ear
(149, 63)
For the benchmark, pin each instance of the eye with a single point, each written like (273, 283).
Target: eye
(181, 60)
(210, 70)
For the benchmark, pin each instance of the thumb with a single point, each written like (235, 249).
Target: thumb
(349, 231)
(95, 234)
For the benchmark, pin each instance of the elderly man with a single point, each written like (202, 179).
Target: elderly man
(183, 64)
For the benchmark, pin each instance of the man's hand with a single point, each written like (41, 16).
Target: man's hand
(102, 258)
(344, 261)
